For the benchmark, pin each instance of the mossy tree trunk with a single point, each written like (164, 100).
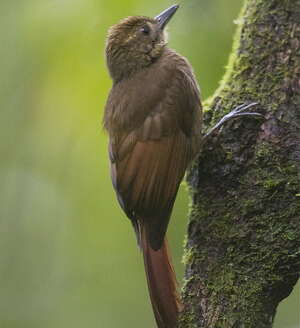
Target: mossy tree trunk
(243, 246)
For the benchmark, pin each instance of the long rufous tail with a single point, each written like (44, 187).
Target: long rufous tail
(162, 283)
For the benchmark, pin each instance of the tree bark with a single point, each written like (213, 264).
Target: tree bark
(242, 252)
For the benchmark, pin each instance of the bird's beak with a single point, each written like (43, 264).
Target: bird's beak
(164, 17)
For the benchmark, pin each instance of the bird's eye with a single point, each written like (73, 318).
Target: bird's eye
(145, 29)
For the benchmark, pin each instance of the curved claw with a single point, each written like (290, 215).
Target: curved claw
(247, 114)
(236, 112)
(243, 107)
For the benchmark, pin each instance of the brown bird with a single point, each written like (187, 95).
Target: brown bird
(153, 117)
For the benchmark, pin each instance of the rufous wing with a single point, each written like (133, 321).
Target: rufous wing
(148, 162)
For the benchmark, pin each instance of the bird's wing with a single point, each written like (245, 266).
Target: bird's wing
(149, 161)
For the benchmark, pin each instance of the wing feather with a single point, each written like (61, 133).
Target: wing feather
(150, 154)
(148, 179)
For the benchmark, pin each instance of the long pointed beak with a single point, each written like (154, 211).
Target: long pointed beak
(164, 17)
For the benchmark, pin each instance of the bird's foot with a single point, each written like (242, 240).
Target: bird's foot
(236, 112)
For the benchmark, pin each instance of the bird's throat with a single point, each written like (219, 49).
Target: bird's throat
(124, 63)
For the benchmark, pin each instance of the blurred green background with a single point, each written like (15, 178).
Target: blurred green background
(68, 255)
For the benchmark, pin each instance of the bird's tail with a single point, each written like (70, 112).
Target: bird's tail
(162, 283)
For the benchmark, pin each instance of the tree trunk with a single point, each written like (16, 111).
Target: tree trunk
(242, 252)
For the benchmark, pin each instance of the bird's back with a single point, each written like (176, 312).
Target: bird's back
(154, 121)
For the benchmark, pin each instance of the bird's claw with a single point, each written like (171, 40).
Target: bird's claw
(236, 112)
(243, 107)
(240, 111)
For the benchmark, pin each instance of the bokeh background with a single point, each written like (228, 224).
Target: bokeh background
(68, 256)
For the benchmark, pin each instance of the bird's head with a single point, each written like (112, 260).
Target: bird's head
(136, 42)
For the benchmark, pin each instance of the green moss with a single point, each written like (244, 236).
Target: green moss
(272, 184)
(188, 254)
(244, 230)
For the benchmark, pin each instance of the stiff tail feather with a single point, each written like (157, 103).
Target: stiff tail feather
(162, 283)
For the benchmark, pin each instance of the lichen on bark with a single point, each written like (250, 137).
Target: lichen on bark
(242, 253)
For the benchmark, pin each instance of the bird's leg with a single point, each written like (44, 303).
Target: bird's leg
(236, 112)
